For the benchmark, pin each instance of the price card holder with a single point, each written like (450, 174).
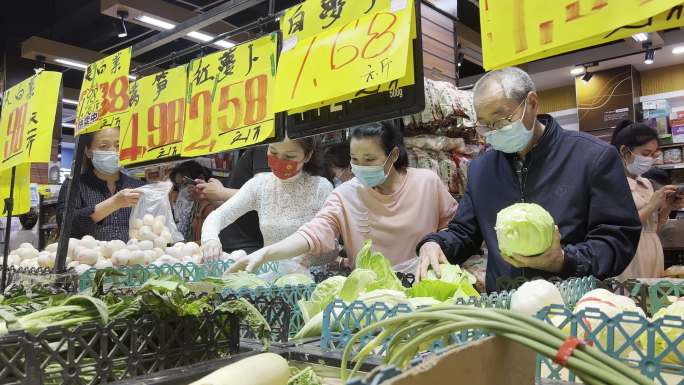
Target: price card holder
(396, 102)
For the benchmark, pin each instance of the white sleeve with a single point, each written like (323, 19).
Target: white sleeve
(244, 201)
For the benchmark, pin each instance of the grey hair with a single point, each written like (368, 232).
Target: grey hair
(514, 82)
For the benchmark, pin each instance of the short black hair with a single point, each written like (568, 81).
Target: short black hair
(192, 170)
(337, 155)
(314, 166)
(28, 220)
(631, 135)
(389, 136)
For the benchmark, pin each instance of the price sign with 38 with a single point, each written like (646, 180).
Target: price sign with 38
(229, 102)
(362, 53)
(155, 130)
(28, 120)
(104, 93)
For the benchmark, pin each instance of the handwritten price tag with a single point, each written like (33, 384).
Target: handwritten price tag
(363, 53)
(28, 120)
(229, 103)
(519, 31)
(104, 93)
(157, 106)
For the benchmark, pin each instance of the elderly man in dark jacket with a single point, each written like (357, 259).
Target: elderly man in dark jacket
(576, 177)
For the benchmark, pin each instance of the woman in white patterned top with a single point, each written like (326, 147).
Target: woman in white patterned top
(284, 199)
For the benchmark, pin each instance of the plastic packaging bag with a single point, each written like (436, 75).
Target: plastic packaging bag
(152, 219)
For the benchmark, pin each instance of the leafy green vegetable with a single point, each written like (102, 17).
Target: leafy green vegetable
(304, 377)
(242, 279)
(356, 283)
(525, 229)
(294, 279)
(324, 293)
(251, 316)
(454, 283)
(367, 259)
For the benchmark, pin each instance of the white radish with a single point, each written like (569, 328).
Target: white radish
(89, 242)
(146, 245)
(150, 256)
(45, 260)
(88, 256)
(137, 258)
(261, 369)
(121, 257)
(191, 248)
(82, 268)
(52, 248)
(136, 223)
(148, 220)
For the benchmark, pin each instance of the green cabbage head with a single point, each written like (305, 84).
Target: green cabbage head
(525, 229)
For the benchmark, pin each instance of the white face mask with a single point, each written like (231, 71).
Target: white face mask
(640, 164)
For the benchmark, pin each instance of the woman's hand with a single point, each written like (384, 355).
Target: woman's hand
(126, 198)
(251, 262)
(660, 196)
(212, 191)
(212, 250)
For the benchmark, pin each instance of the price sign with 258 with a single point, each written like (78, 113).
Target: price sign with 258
(362, 53)
(229, 103)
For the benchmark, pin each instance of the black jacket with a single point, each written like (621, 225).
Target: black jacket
(577, 178)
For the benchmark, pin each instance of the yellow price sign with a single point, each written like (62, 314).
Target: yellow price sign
(363, 53)
(104, 93)
(229, 99)
(22, 191)
(28, 119)
(155, 128)
(518, 31)
(315, 16)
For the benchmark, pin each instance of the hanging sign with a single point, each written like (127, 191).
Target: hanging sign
(360, 54)
(230, 97)
(22, 190)
(519, 31)
(28, 119)
(104, 94)
(399, 97)
(157, 107)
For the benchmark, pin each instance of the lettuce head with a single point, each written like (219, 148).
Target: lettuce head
(294, 279)
(524, 228)
(386, 279)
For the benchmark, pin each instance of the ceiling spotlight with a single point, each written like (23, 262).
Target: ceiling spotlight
(678, 50)
(579, 70)
(123, 15)
(649, 58)
(587, 76)
(640, 37)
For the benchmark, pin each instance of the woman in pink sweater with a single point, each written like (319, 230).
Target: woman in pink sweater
(387, 202)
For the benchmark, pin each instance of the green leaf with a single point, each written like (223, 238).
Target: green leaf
(249, 315)
(387, 279)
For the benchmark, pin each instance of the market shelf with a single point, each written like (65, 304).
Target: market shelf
(49, 202)
(671, 145)
(670, 166)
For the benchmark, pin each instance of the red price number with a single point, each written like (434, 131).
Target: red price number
(245, 109)
(15, 132)
(165, 123)
(114, 96)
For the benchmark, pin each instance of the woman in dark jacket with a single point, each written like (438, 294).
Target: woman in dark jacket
(105, 195)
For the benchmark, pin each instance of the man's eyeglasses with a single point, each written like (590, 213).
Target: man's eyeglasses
(484, 129)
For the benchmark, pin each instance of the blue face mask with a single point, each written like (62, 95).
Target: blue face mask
(370, 176)
(106, 162)
(511, 138)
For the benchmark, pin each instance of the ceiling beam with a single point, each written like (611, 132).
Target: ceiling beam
(204, 21)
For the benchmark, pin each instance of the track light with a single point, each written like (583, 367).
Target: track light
(678, 50)
(123, 15)
(640, 37)
(578, 70)
(587, 76)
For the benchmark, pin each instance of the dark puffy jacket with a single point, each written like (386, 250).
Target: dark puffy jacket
(577, 178)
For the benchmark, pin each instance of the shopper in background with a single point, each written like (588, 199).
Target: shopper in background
(104, 195)
(337, 160)
(388, 202)
(26, 234)
(186, 211)
(638, 146)
(575, 176)
(244, 233)
(285, 198)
